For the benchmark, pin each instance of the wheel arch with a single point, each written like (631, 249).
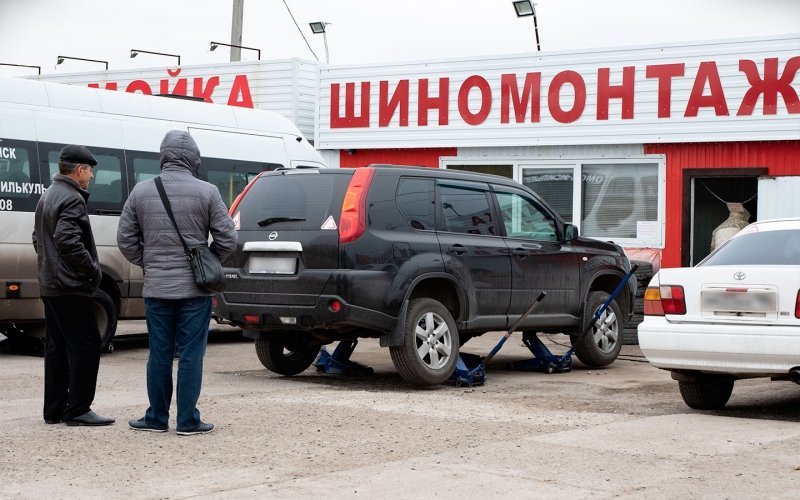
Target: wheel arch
(607, 281)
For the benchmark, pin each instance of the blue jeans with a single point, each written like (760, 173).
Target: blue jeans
(172, 324)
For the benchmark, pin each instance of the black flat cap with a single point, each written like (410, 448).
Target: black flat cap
(77, 154)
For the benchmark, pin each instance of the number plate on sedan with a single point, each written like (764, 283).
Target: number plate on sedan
(752, 300)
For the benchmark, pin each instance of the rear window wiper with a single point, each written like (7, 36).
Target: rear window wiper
(272, 220)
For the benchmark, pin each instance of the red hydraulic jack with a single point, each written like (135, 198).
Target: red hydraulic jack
(543, 360)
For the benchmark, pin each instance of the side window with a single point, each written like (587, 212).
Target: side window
(231, 176)
(415, 199)
(524, 218)
(20, 186)
(142, 166)
(466, 210)
(108, 189)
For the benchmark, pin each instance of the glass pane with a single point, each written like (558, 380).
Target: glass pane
(777, 248)
(106, 186)
(466, 211)
(145, 168)
(523, 218)
(415, 200)
(553, 185)
(616, 197)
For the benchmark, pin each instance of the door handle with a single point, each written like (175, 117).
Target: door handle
(457, 249)
(521, 252)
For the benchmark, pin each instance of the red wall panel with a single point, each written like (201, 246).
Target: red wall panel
(779, 158)
(419, 157)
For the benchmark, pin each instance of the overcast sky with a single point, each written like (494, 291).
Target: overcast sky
(35, 32)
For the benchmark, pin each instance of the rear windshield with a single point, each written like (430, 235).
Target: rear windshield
(770, 248)
(292, 201)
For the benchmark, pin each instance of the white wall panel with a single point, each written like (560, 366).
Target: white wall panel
(778, 197)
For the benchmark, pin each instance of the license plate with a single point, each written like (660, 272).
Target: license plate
(750, 301)
(268, 264)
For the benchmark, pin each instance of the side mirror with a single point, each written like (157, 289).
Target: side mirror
(570, 232)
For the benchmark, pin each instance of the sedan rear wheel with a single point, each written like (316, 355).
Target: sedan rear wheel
(706, 393)
(429, 350)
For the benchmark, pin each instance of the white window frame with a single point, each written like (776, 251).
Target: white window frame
(651, 240)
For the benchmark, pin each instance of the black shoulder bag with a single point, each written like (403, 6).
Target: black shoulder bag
(205, 265)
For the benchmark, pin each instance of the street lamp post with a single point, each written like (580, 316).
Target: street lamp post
(61, 60)
(214, 46)
(525, 8)
(136, 52)
(38, 68)
(321, 27)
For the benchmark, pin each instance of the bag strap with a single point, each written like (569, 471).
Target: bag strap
(165, 200)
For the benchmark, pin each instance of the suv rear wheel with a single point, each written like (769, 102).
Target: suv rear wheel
(286, 353)
(601, 345)
(429, 350)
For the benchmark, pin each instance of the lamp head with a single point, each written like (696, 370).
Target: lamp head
(318, 27)
(523, 8)
(134, 53)
(60, 60)
(213, 46)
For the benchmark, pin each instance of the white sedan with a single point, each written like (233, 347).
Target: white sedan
(735, 315)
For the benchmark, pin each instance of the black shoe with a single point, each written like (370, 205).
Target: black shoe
(89, 418)
(203, 428)
(51, 421)
(141, 425)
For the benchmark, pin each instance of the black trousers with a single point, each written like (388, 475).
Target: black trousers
(71, 356)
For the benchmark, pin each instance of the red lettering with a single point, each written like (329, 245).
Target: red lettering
(606, 91)
(482, 85)
(554, 96)
(180, 87)
(769, 86)
(387, 106)
(665, 73)
(205, 92)
(707, 73)
(240, 93)
(139, 86)
(349, 120)
(108, 86)
(440, 103)
(509, 94)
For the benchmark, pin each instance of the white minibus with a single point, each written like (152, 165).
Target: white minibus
(124, 132)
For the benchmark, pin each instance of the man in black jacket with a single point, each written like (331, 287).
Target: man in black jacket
(69, 274)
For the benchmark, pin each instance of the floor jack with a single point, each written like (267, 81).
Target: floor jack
(543, 360)
(339, 363)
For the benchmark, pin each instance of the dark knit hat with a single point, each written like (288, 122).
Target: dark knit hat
(77, 154)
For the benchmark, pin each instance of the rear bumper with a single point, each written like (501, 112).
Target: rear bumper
(739, 350)
(307, 317)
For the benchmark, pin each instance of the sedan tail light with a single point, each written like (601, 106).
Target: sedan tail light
(665, 299)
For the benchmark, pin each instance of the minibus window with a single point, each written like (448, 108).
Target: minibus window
(107, 191)
(19, 185)
(231, 176)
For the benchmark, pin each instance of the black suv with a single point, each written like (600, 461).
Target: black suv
(422, 258)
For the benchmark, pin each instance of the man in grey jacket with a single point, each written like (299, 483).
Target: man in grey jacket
(178, 312)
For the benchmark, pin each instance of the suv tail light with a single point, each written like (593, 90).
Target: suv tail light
(353, 220)
(665, 299)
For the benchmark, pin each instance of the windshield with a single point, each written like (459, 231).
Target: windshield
(770, 248)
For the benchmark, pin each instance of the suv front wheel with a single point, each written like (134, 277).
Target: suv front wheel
(429, 350)
(286, 353)
(601, 344)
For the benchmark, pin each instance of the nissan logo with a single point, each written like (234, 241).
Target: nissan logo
(739, 276)
(274, 234)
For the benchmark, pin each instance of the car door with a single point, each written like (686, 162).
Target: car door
(540, 260)
(473, 250)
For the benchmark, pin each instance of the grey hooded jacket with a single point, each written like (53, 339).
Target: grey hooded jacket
(146, 236)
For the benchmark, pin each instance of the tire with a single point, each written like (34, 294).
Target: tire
(286, 354)
(601, 344)
(706, 393)
(429, 350)
(106, 315)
